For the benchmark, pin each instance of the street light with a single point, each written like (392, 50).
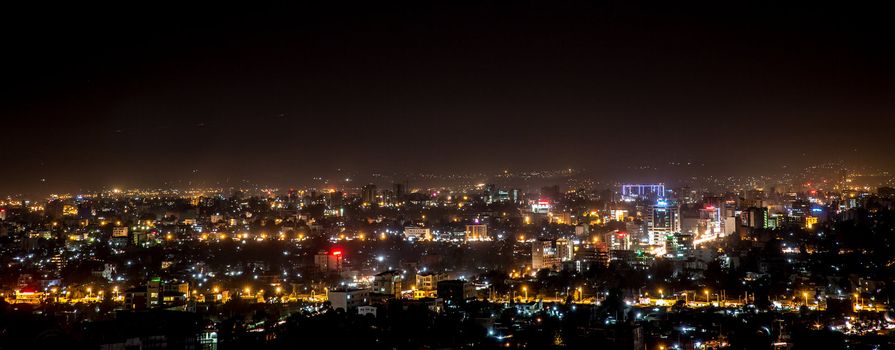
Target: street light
(525, 289)
(707, 296)
(805, 295)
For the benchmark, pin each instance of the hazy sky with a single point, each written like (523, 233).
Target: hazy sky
(148, 92)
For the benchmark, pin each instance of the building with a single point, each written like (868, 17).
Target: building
(618, 214)
(618, 240)
(329, 261)
(642, 191)
(582, 230)
(156, 293)
(663, 218)
(348, 299)
(417, 233)
(562, 218)
(368, 194)
(678, 245)
(544, 255)
(477, 232)
(542, 206)
(119, 231)
(755, 217)
(810, 221)
(590, 256)
(28, 296)
(428, 281)
(367, 310)
(388, 282)
(565, 249)
(455, 291)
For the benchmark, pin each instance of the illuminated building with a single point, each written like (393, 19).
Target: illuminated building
(560, 218)
(810, 221)
(678, 244)
(428, 281)
(348, 298)
(156, 293)
(663, 218)
(119, 231)
(755, 217)
(618, 240)
(564, 249)
(544, 255)
(388, 282)
(618, 214)
(591, 255)
(708, 225)
(417, 233)
(542, 206)
(328, 261)
(364, 310)
(28, 296)
(477, 232)
(642, 191)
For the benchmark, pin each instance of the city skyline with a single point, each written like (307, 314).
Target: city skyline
(497, 174)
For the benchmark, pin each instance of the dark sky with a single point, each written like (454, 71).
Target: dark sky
(147, 92)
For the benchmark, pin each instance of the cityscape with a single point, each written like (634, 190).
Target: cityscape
(447, 175)
(479, 266)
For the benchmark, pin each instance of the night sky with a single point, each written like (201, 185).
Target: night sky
(146, 93)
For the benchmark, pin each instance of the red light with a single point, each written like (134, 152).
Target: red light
(710, 207)
(337, 252)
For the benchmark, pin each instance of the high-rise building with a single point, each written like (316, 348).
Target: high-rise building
(663, 218)
(565, 250)
(398, 190)
(618, 240)
(516, 195)
(368, 194)
(544, 255)
(755, 217)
